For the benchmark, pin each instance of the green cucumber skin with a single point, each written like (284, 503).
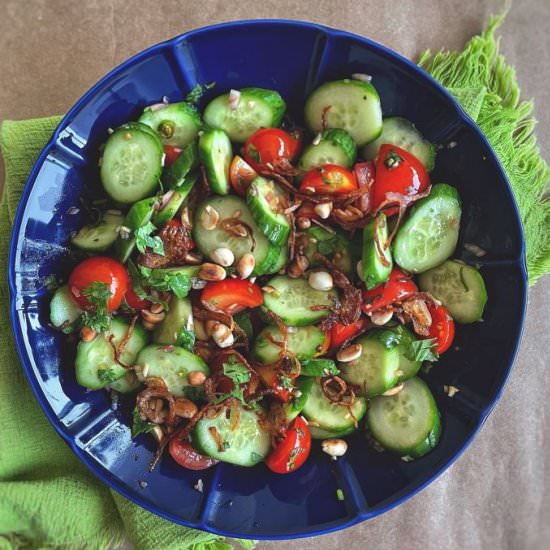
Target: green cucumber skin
(335, 147)
(236, 122)
(406, 366)
(65, 315)
(344, 256)
(98, 355)
(144, 181)
(459, 287)
(442, 197)
(100, 237)
(179, 315)
(177, 175)
(322, 433)
(127, 384)
(242, 449)
(172, 364)
(374, 271)
(215, 153)
(162, 217)
(182, 115)
(296, 405)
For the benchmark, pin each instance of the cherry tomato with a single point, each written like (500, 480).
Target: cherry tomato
(293, 450)
(442, 328)
(397, 171)
(398, 286)
(340, 333)
(233, 295)
(134, 301)
(268, 148)
(296, 146)
(184, 454)
(241, 175)
(99, 269)
(270, 378)
(172, 153)
(328, 178)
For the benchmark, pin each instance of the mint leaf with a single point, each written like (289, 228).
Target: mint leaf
(145, 240)
(238, 374)
(166, 280)
(318, 367)
(421, 350)
(140, 426)
(186, 339)
(98, 295)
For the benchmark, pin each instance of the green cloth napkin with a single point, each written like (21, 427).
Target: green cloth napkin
(48, 499)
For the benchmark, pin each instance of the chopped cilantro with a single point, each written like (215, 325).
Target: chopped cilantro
(165, 280)
(186, 339)
(145, 240)
(106, 375)
(139, 426)
(98, 295)
(340, 494)
(293, 454)
(194, 96)
(285, 382)
(421, 350)
(238, 374)
(254, 154)
(318, 367)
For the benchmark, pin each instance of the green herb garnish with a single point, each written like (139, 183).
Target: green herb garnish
(140, 426)
(194, 96)
(186, 339)
(98, 295)
(238, 374)
(145, 240)
(166, 280)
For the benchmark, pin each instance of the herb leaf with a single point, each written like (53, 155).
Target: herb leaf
(186, 339)
(98, 295)
(106, 375)
(238, 374)
(194, 96)
(140, 426)
(318, 367)
(421, 350)
(51, 283)
(145, 240)
(166, 280)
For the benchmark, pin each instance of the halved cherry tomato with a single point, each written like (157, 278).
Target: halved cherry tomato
(268, 148)
(270, 377)
(241, 175)
(340, 333)
(232, 295)
(134, 301)
(172, 153)
(328, 178)
(397, 171)
(99, 269)
(442, 327)
(184, 454)
(293, 450)
(398, 286)
(297, 140)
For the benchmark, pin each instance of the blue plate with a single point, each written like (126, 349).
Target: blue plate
(291, 57)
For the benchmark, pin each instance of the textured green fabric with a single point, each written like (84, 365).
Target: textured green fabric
(47, 498)
(488, 90)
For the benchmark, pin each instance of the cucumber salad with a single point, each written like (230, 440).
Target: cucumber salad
(254, 284)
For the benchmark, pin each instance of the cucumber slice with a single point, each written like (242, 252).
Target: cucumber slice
(304, 342)
(376, 270)
(318, 367)
(406, 423)
(177, 176)
(322, 433)
(402, 133)
(330, 416)
(100, 237)
(138, 216)
(132, 163)
(336, 147)
(334, 246)
(267, 201)
(95, 363)
(65, 315)
(353, 105)
(296, 405)
(375, 371)
(246, 445)
(207, 241)
(292, 300)
(180, 315)
(430, 233)
(177, 124)
(215, 152)
(459, 287)
(126, 384)
(257, 108)
(280, 261)
(170, 209)
(172, 364)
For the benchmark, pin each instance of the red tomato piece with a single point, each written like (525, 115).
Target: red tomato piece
(270, 378)
(184, 454)
(233, 295)
(293, 450)
(442, 327)
(172, 153)
(297, 141)
(341, 333)
(397, 171)
(99, 269)
(241, 175)
(328, 179)
(134, 301)
(397, 287)
(268, 148)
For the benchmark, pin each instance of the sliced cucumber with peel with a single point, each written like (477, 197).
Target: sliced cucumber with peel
(292, 300)
(172, 364)
(170, 209)
(377, 262)
(459, 287)
(402, 133)
(335, 246)
(215, 152)
(303, 342)
(247, 444)
(127, 384)
(131, 163)
(65, 315)
(407, 423)
(101, 236)
(176, 124)
(352, 105)
(180, 315)
(430, 232)
(298, 400)
(335, 147)
(267, 201)
(257, 108)
(95, 363)
(177, 176)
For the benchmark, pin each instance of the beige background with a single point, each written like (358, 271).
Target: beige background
(497, 495)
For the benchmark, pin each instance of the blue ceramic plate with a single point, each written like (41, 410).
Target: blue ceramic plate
(294, 58)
